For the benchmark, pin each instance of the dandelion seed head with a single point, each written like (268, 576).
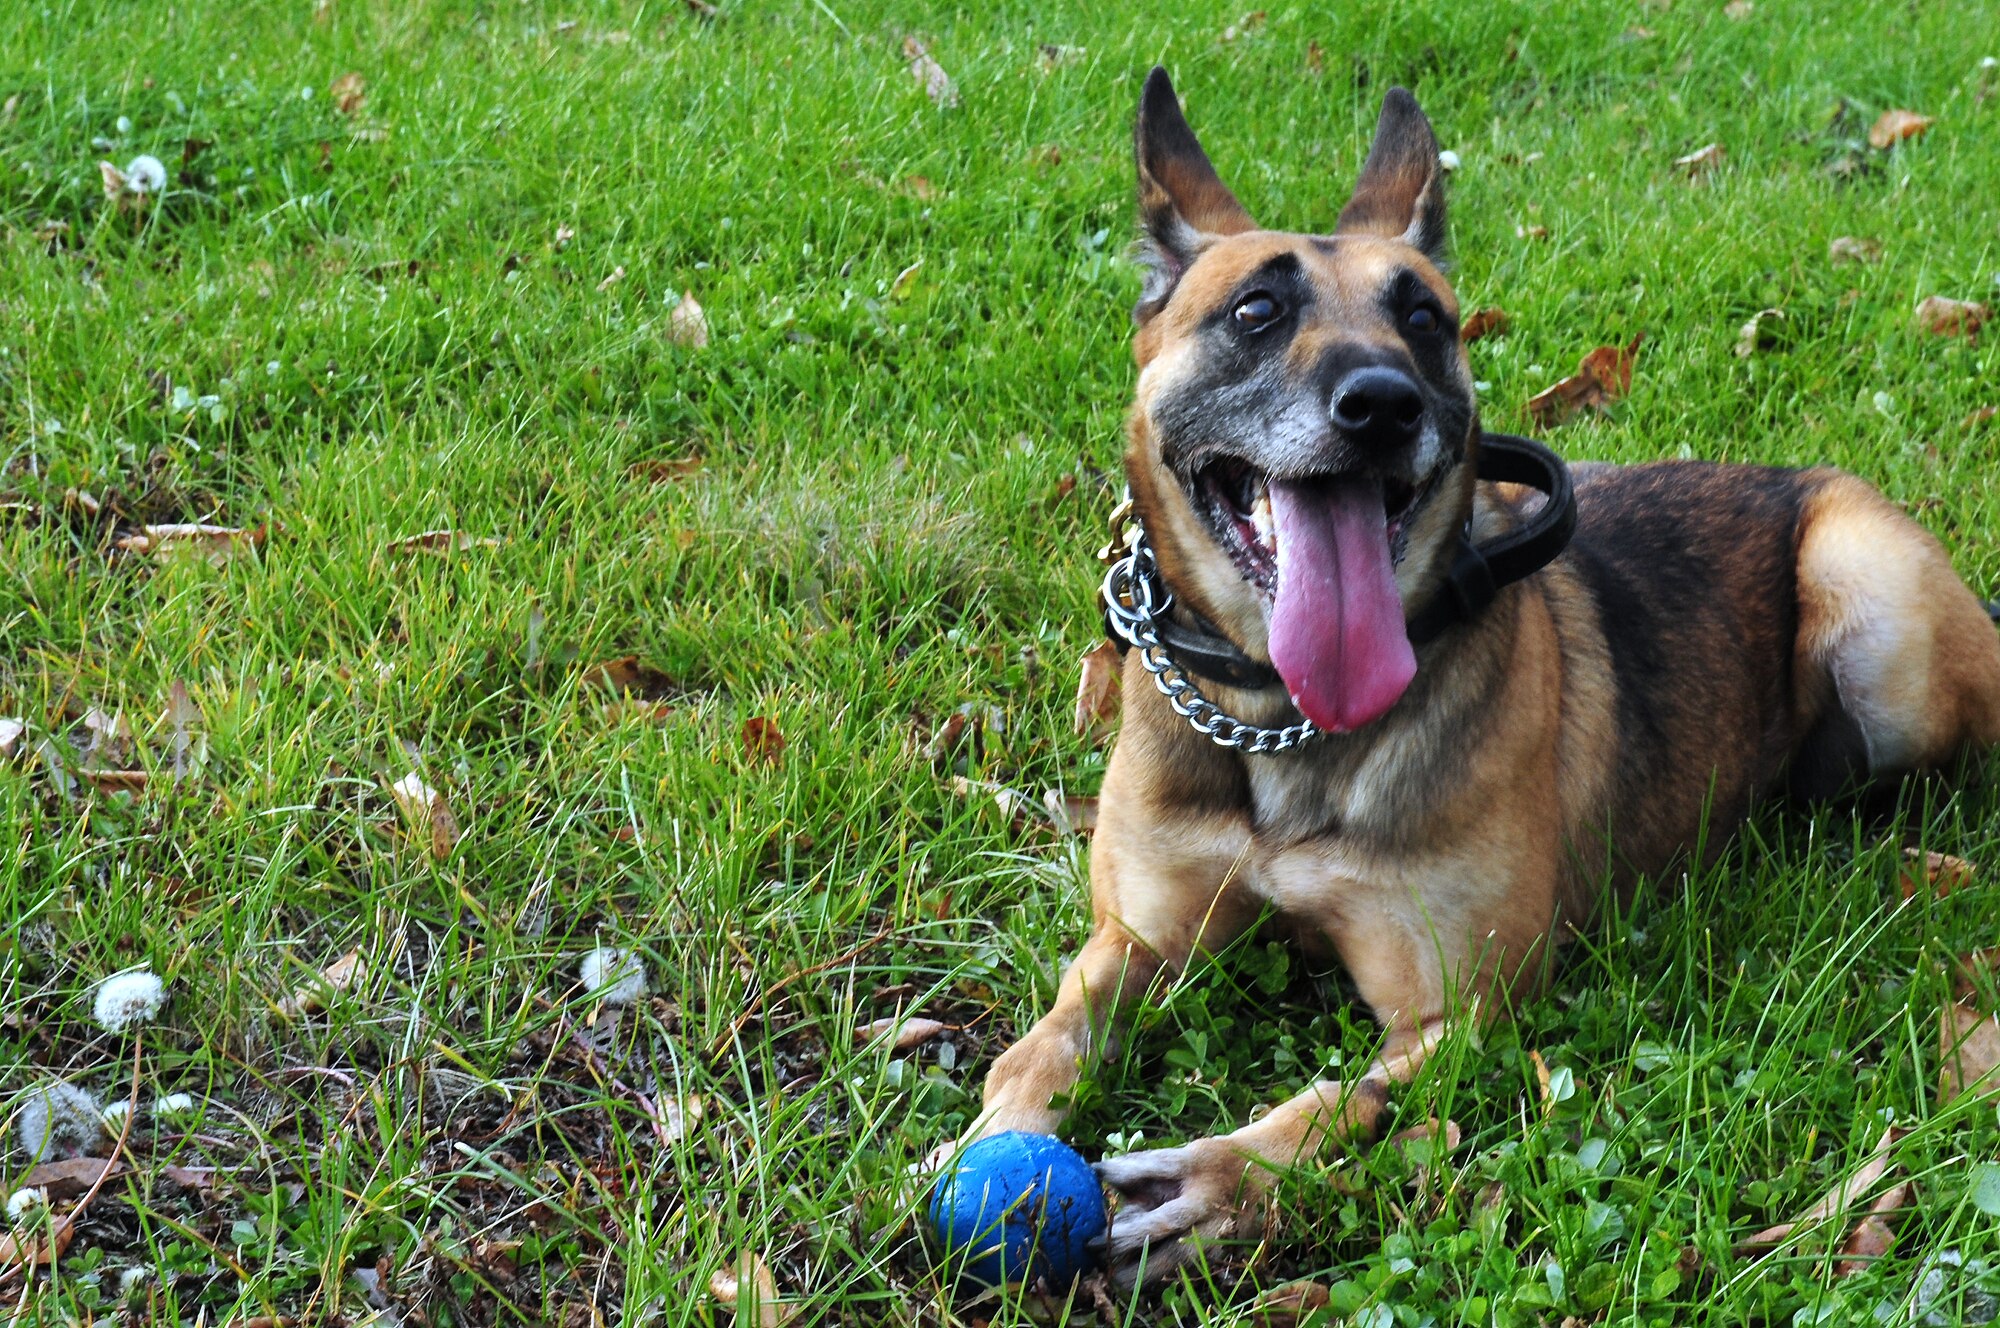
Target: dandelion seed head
(174, 1104)
(145, 174)
(57, 1117)
(125, 999)
(23, 1202)
(114, 1115)
(612, 975)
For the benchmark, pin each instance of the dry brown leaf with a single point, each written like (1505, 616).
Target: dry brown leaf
(1315, 58)
(665, 470)
(1969, 1049)
(116, 781)
(1071, 814)
(617, 275)
(1488, 322)
(1854, 249)
(426, 813)
(11, 732)
(702, 9)
(687, 325)
(628, 676)
(564, 234)
(1531, 232)
(215, 544)
(1541, 1075)
(1702, 160)
(1895, 126)
(1013, 804)
(1244, 26)
(1935, 874)
(1097, 682)
(349, 93)
(1836, 1200)
(1288, 1304)
(761, 739)
(902, 1033)
(750, 1293)
(929, 74)
(83, 501)
(441, 541)
(1603, 376)
(337, 977)
(1948, 317)
(1760, 333)
(1872, 1236)
(1984, 415)
(918, 187)
(70, 1177)
(35, 1247)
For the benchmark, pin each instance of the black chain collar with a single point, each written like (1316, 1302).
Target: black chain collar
(1475, 576)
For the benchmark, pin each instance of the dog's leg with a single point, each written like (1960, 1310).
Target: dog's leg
(1160, 891)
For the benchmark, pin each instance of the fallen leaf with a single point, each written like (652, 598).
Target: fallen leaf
(1854, 249)
(11, 732)
(1244, 26)
(1836, 1200)
(70, 1177)
(1702, 160)
(215, 544)
(1760, 333)
(906, 1033)
(945, 742)
(929, 74)
(665, 470)
(1013, 804)
(900, 287)
(1290, 1304)
(564, 234)
(349, 93)
(1872, 1236)
(116, 781)
(679, 1115)
(687, 325)
(83, 501)
(1984, 415)
(1947, 317)
(627, 676)
(1541, 1073)
(1488, 322)
(425, 810)
(919, 187)
(30, 1249)
(1936, 874)
(1968, 1034)
(751, 1293)
(337, 977)
(1072, 814)
(1895, 126)
(617, 275)
(1602, 377)
(1097, 682)
(1531, 232)
(1737, 9)
(702, 9)
(761, 739)
(1315, 58)
(441, 541)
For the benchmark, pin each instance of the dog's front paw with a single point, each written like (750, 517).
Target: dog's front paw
(1174, 1202)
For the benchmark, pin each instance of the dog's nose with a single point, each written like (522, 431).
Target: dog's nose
(1378, 406)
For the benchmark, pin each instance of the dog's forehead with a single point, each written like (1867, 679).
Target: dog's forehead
(1347, 272)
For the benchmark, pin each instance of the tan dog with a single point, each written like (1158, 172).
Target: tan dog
(1304, 452)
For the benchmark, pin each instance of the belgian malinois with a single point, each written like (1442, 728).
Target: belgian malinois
(1410, 711)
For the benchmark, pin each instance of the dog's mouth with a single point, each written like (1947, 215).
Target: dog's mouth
(1323, 552)
(1236, 498)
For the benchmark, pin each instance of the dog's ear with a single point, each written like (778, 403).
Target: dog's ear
(1401, 190)
(1182, 202)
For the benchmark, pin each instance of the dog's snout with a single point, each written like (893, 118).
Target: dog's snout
(1378, 406)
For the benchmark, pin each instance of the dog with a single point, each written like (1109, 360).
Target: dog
(1455, 714)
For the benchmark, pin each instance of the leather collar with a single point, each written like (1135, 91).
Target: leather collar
(1474, 578)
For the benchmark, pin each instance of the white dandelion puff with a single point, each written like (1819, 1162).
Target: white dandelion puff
(23, 1202)
(1448, 160)
(114, 1115)
(131, 1279)
(129, 998)
(145, 174)
(57, 1117)
(614, 976)
(174, 1104)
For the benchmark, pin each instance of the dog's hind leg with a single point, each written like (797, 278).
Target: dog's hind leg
(1897, 663)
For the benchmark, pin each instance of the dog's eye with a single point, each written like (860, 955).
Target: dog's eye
(1257, 310)
(1421, 319)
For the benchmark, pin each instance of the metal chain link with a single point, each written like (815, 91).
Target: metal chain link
(1135, 596)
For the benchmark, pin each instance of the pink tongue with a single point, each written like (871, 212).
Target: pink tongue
(1337, 635)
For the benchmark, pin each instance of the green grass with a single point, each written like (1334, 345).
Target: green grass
(882, 530)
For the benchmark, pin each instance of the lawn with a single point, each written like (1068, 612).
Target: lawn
(717, 625)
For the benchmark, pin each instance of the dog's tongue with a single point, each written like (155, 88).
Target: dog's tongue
(1337, 635)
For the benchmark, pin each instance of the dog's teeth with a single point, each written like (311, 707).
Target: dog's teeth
(1263, 522)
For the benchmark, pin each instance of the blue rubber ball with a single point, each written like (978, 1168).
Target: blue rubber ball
(1017, 1207)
